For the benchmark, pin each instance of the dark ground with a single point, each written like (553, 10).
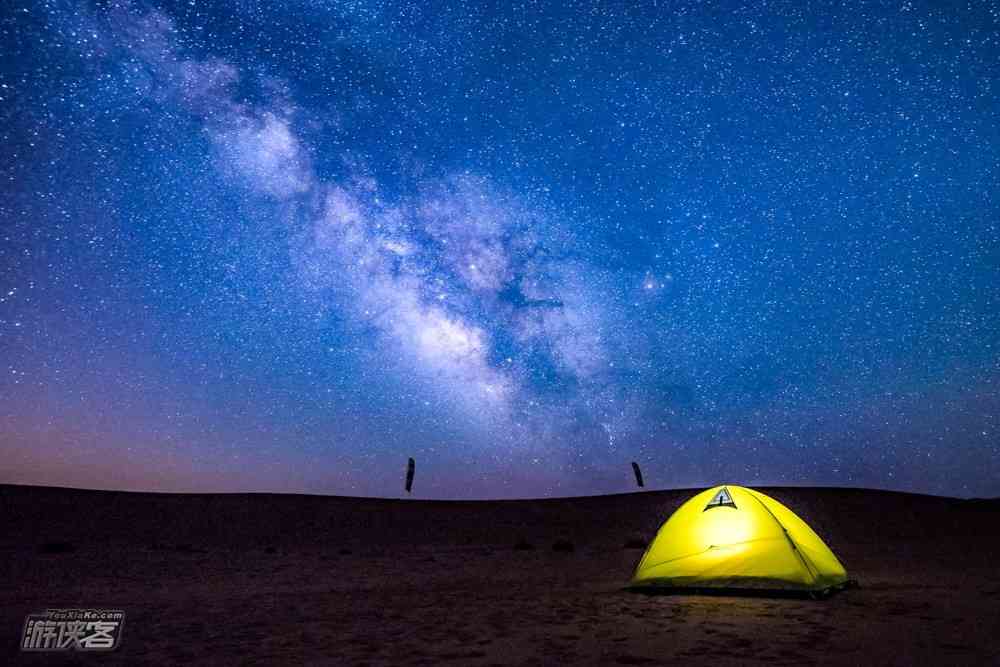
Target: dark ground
(251, 579)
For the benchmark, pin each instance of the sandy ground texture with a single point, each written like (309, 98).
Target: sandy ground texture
(275, 579)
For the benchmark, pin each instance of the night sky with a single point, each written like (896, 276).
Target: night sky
(285, 246)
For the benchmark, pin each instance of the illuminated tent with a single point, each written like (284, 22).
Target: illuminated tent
(737, 538)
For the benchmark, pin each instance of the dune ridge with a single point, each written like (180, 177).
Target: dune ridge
(272, 578)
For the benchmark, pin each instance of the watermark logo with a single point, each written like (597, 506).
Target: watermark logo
(73, 629)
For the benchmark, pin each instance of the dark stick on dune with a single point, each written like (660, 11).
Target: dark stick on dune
(410, 468)
(638, 474)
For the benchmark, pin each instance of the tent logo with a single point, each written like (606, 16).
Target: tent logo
(721, 499)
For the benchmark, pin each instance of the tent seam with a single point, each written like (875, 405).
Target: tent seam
(698, 553)
(795, 547)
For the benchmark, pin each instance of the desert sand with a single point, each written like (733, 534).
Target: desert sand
(283, 579)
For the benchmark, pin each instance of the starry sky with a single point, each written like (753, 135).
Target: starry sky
(284, 246)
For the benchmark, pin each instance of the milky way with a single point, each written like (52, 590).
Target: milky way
(285, 248)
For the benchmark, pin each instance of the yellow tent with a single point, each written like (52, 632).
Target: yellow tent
(734, 537)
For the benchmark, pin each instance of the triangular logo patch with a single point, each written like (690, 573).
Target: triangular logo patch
(721, 499)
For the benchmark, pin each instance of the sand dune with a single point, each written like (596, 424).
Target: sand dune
(269, 579)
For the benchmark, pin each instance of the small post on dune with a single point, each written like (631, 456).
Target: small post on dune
(410, 468)
(638, 474)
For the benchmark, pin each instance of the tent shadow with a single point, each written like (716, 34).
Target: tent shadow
(779, 593)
